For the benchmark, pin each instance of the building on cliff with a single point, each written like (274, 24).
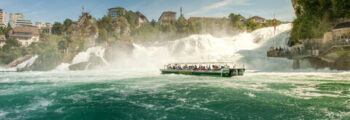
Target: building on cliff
(142, 18)
(167, 17)
(215, 20)
(14, 17)
(2, 18)
(341, 31)
(119, 11)
(116, 12)
(2, 40)
(44, 27)
(242, 19)
(18, 19)
(258, 19)
(26, 35)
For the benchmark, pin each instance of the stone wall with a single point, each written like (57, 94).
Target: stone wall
(343, 33)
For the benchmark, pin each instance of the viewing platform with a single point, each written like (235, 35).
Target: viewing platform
(299, 52)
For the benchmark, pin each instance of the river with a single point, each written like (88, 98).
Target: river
(149, 95)
(133, 88)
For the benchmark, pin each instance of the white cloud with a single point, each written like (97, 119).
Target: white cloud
(216, 5)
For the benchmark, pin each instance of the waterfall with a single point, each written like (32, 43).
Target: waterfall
(84, 56)
(244, 48)
(27, 63)
(22, 65)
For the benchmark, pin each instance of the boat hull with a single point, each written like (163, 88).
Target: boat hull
(222, 73)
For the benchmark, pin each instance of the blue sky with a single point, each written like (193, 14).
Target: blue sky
(59, 10)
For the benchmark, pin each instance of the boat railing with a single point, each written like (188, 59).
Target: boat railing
(193, 70)
(221, 65)
(213, 70)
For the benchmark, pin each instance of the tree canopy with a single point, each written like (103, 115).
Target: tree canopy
(315, 17)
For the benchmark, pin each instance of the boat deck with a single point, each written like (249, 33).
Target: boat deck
(222, 73)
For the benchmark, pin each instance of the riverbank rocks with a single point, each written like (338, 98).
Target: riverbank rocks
(19, 61)
(93, 63)
(338, 60)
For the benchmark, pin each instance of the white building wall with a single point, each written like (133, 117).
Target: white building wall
(14, 17)
(2, 18)
(27, 42)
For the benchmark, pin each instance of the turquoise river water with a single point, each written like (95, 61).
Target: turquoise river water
(105, 95)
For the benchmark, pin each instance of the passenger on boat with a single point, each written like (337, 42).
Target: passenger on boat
(215, 68)
(185, 67)
(222, 67)
(179, 68)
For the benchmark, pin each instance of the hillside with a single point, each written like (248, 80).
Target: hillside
(315, 17)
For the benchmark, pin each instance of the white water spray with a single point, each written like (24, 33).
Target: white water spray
(84, 57)
(28, 62)
(245, 48)
(22, 65)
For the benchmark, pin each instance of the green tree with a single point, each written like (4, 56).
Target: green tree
(130, 18)
(68, 26)
(317, 18)
(234, 19)
(252, 25)
(63, 45)
(181, 25)
(194, 27)
(67, 23)
(57, 28)
(153, 22)
(11, 42)
(105, 22)
(102, 35)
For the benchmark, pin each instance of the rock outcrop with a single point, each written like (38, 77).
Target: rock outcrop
(93, 63)
(297, 8)
(19, 61)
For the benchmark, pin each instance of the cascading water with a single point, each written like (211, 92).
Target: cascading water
(245, 48)
(121, 92)
(85, 57)
(22, 65)
(27, 63)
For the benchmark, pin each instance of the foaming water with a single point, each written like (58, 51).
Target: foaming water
(137, 94)
(84, 56)
(247, 49)
(22, 65)
(133, 87)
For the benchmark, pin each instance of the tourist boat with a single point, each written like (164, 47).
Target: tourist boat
(222, 69)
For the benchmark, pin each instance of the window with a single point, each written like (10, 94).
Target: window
(22, 33)
(22, 38)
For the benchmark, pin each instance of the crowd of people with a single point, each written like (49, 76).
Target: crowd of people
(279, 51)
(195, 67)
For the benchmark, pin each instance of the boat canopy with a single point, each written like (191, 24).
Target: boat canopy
(204, 63)
(232, 64)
